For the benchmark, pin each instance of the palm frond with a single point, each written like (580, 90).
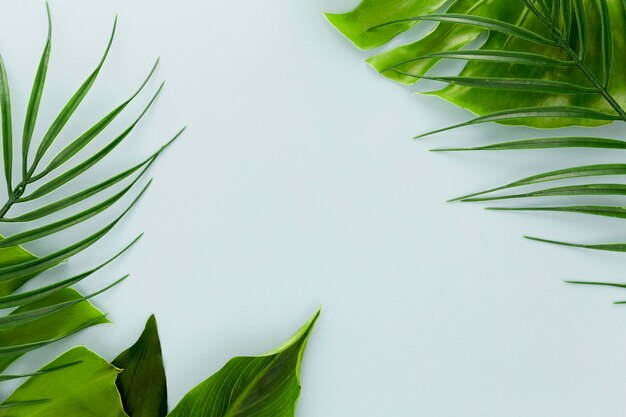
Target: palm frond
(46, 314)
(545, 64)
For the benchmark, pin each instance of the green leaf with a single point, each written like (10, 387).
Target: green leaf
(481, 22)
(610, 247)
(606, 211)
(261, 386)
(85, 389)
(561, 174)
(494, 56)
(585, 32)
(21, 339)
(82, 167)
(545, 143)
(18, 318)
(142, 380)
(579, 113)
(35, 96)
(572, 190)
(71, 106)
(46, 262)
(515, 84)
(91, 191)
(27, 297)
(78, 144)
(7, 126)
(356, 24)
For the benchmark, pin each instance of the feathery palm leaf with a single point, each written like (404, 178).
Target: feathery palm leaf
(49, 313)
(541, 63)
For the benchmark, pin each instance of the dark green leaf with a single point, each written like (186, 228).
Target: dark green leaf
(71, 106)
(142, 380)
(35, 97)
(561, 174)
(572, 190)
(49, 261)
(7, 126)
(546, 143)
(607, 211)
(89, 162)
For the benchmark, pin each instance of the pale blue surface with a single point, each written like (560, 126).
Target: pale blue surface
(297, 185)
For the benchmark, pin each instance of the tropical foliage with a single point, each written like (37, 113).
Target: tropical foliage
(46, 314)
(540, 63)
(80, 381)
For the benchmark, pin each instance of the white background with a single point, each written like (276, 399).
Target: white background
(297, 185)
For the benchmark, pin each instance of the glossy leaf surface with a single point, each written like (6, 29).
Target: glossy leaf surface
(261, 386)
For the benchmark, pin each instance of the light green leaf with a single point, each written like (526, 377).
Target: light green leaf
(261, 386)
(589, 38)
(142, 380)
(356, 25)
(85, 389)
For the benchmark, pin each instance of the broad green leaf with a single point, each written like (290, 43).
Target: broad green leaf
(356, 25)
(8, 377)
(482, 55)
(261, 386)
(481, 22)
(18, 340)
(142, 380)
(85, 389)
(13, 256)
(590, 36)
